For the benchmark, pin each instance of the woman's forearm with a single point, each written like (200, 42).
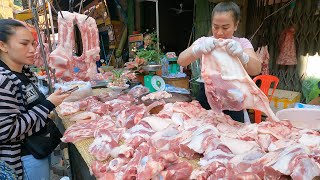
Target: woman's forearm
(253, 67)
(186, 57)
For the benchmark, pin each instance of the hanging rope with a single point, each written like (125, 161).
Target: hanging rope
(284, 6)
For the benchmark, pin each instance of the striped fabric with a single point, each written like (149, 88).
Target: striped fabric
(16, 122)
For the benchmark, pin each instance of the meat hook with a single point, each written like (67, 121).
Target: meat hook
(90, 13)
(81, 2)
(59, 9)
(54, 9)
(71, 6)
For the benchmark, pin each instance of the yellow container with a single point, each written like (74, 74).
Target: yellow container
(178, 82)
(283, 99)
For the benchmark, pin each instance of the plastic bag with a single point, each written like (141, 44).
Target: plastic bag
(138, 90)
(84, 90)
(301, 105)
(170, 88)
(310, 88)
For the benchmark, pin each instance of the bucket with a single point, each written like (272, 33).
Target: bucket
(301, 117)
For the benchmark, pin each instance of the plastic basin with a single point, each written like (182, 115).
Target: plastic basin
(301, 118)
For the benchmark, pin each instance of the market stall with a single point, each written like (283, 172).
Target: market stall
(187, 131)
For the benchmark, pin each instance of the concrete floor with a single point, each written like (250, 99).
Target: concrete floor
(59, 165)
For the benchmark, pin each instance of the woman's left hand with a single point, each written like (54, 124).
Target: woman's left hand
(234, 49)
(57, 97)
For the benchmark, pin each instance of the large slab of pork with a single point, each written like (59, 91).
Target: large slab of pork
(61, 58)
(229, 87)
(91, 48)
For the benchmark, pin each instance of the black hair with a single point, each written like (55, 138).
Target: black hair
(7, 28)
(226, 7)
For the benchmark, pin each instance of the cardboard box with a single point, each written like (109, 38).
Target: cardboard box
(283, 99)
(315, 101)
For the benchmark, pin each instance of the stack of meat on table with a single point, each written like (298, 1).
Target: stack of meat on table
(185, 141)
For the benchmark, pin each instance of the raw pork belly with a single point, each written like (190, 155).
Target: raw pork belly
(62, 59)
(38, 59)
(229, 87)
(91, 48)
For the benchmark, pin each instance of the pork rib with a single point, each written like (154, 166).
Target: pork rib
(229, 87)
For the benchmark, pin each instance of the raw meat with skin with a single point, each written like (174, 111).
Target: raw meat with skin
(79, 131)
(229, 87)
(169, 139)
(102, 145)
(192, 109)
(306, 169)
(91, 49)
(38, 59)
(138, 91)
(67, 108)
(137, 135)
(156, 123)
(199, 141)
(85, 116)
(131, 169)
(227, 150)
(122, 151)
(98, 168)
(177, 171)
(157, 95)
(215, 156)
(279, 130)
(238, 146)
(152, 164)
(167, 111)
(61, 58)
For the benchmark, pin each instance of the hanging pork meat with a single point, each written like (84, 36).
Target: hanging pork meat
(91, 49)
(62, 58)
(229, 87)
(38, 59)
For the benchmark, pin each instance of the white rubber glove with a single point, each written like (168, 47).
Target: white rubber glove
(205, 47)
(234, 49)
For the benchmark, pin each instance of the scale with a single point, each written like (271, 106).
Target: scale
(173, 68)
(152, 81)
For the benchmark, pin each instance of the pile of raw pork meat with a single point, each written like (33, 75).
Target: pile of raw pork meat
(185, 141)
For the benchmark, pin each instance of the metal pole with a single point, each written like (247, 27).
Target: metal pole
(36, 25)
(52, 28)
(157, 21)
(47, 25)
(80, 6)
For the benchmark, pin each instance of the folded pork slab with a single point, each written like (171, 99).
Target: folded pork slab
(62, 58)
(229, 87)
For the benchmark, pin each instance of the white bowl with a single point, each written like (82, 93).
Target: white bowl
(301, 117)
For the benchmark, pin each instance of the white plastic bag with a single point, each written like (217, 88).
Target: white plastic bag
(84, 90)
(246, 117)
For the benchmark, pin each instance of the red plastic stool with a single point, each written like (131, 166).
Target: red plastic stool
(266, 81)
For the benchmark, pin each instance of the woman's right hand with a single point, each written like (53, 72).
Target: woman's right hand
(57, 97)
(204, 47)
